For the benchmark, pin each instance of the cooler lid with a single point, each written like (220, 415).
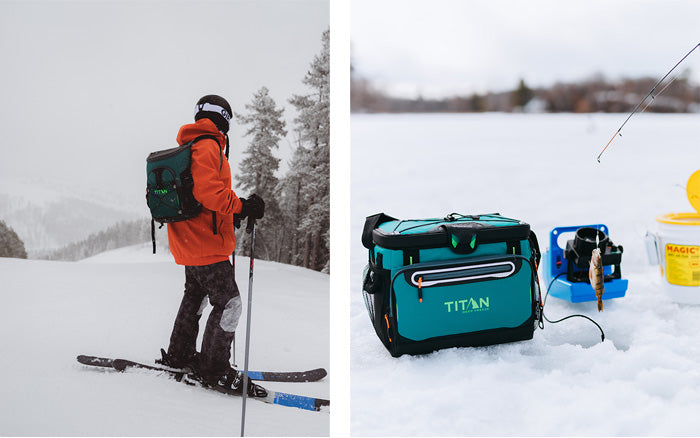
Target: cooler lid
(459, 232)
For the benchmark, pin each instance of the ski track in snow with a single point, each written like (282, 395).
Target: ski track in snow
(643, 380)
(123, 304)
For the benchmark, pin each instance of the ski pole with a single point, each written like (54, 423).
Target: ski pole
(250, 228)
(233, 342)
(236, 225)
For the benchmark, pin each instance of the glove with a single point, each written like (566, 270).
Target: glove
(253, 207)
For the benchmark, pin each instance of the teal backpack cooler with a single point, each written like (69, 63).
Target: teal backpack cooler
(458, 281)
(169, 185)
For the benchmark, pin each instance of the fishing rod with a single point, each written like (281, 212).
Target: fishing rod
(651, 93)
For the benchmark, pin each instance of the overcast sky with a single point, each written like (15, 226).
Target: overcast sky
(89, 88)
(442, 47)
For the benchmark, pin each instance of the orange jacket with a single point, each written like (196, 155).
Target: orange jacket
(193, 242)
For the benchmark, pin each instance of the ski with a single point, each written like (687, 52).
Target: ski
(273, 397)
(266, 376)
(277, 398)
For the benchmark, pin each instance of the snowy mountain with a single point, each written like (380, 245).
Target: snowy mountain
(122, 304)
(643, 380)
(47, 217)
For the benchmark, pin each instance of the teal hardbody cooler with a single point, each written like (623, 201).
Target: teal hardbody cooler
(448, 282)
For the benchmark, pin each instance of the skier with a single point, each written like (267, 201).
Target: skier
(203, 245)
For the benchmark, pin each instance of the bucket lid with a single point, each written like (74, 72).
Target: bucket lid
(693, 189)
(679, 218)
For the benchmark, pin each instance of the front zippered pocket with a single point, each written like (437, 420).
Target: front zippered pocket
(450, 298)
(459, 274)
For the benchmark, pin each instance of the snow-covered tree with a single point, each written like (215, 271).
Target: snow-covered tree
(266, 128)
(296, 226)
(10, 243)
(310, 169)
(293, 205)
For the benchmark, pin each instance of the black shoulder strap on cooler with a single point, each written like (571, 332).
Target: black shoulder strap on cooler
(371, 223)
(153, 232)
(535, 248)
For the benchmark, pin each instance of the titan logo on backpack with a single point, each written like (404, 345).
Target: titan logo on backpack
(169, 185)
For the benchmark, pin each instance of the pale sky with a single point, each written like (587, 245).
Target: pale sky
(443, 47)
(89, 88)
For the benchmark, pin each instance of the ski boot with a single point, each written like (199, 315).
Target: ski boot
(233, 379)
(188, 365)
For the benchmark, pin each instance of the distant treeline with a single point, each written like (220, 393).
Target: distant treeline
(595, 94)
(125, 233)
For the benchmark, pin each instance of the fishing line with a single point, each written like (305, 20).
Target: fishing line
(602, 334)
(645, 98)
(659, 93)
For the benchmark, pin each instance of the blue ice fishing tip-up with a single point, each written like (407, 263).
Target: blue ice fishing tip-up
(566, 269)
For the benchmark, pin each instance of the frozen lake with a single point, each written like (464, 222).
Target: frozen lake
(540, 168)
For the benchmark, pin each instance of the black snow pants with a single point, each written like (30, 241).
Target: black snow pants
(215, 281)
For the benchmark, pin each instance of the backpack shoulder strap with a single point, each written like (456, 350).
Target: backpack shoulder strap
(221, 164)
(212, 137)
(202, 137)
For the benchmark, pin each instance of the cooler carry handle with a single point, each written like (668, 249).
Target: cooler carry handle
(434, 277)
(372, 222)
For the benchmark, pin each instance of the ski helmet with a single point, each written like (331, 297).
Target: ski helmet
(214, 108)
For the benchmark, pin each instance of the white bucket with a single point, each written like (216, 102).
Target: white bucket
(676, 248)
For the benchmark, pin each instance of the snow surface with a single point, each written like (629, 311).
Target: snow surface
(123, 304)
(643, 380)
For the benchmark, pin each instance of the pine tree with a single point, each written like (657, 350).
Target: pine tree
(522, 95)
(10, 243)
(312, 161)
(258, 167)
(291, 200)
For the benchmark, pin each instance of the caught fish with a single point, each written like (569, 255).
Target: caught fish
(595, 275)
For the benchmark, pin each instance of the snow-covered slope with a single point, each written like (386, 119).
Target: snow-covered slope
(643, 380)
(122, 304)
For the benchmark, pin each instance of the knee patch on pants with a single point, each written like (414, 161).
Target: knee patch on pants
(231, 314)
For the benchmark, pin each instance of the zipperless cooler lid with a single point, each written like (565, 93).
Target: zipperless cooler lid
(455, 231)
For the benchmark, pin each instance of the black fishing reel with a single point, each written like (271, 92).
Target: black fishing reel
(578, 255)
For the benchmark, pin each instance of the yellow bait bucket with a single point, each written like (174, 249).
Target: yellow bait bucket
(675, 247)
